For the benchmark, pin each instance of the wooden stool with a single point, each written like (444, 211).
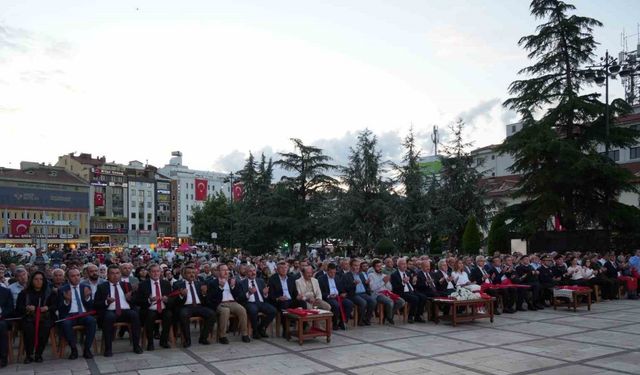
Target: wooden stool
(172, 338)
(197, 321)
(261, 315)
(63, 341)
(52, 342)
(10, 336)
(116, 326)
(597, 292)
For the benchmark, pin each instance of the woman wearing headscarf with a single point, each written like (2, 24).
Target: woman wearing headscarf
(35, 305)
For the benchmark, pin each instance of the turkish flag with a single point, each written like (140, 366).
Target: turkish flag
(238, 191)
(20, 227)
(201, 190)
(557, 225)
(166, 243)
(98, 199)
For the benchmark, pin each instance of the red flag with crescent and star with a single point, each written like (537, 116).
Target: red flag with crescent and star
(98, 199)
(20, 227)
(238, 191)
(201, 190)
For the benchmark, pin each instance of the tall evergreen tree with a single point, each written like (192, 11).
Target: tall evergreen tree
(471, 238)
(365, 206)
(563, 173)
(213, 216)
(460, 192)
(308, 185)
(412, 224)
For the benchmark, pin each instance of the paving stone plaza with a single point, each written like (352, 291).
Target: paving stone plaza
(604, 341)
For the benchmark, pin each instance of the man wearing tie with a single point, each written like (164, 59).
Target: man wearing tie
(253, 292)
(403, 286)
(226, 292)
(152, 297)
(426, 284)
(113, 304)
(194, 300)
(76, 299)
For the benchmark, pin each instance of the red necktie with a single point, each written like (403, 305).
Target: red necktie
(158, 298)
(117, 298)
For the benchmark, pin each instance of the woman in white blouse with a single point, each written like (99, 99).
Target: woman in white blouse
(577, 272)
(461, 278)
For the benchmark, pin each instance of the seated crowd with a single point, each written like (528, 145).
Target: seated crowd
(164, 294)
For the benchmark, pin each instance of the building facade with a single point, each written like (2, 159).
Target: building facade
(43, 206)
(109, 196)
(191, 188)
(142, 205)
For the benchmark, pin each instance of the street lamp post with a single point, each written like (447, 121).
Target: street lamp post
(600, 74)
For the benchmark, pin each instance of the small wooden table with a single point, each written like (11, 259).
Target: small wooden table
(315, 331)
(574, 300)
(453, 305)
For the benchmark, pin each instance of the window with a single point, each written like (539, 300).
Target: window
(133, 192)
(133, 215)
(149, 216)
(148, 227)
(513, 129)
(148, 204)
(191, 196)
(634, 153)
(133, 227)
(613, 155)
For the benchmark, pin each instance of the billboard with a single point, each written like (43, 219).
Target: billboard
(431, 167)
(13, 197)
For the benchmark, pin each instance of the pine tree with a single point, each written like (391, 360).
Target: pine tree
(308, 185)
(563, 174)
(472, 238)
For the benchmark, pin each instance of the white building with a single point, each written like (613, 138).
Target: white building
(186, 191)
(142, 205)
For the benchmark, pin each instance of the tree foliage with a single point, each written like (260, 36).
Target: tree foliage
(472, 237)
(563, 173)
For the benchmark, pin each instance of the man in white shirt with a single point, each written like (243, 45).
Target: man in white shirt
(22, 277)
(77, 299)
(381, 286)
(226, 292)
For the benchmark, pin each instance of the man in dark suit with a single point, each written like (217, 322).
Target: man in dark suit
(6, 310)
(194, 300)
(253, 296)
(356, 285)
(334, 294)
(73, 299)
(546, 280)
(612, 271)
(114, 305)
(283, 293)
(403, 284)
(425, 283)
(530, 276)
(152, 297)
(497, 274)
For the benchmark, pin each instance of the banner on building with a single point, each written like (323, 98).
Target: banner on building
(238, 191)
(98, 199)
(20, 227)
(201, 190)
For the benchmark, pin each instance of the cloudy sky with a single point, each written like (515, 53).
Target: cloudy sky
(135, 80)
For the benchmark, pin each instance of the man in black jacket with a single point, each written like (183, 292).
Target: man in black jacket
(546, 280)
(114, 305)
(497, 277)
(530, 276)
(282, 290)
(152, 297)
(358, 292)
(6, 309)
(403, 284)
(334, 293)
(480, 275)
(73, 299)
(253, 296)
(194, 300)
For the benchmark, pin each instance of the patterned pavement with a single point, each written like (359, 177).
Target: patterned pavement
(604, 341)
